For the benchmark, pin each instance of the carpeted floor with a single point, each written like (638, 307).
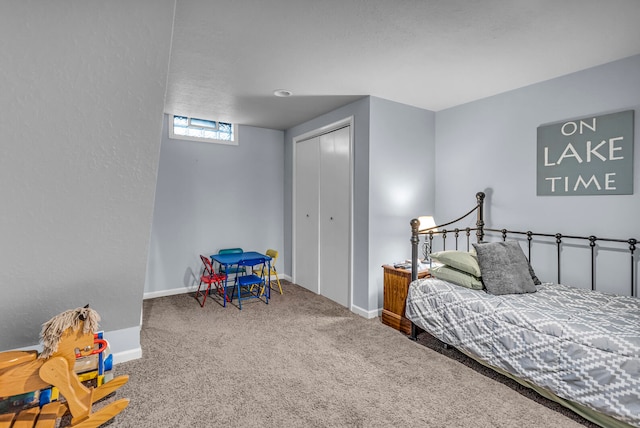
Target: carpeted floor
(305, 361)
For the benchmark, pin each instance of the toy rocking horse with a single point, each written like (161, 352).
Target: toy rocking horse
(63, 337)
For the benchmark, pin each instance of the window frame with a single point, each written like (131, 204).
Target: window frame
(174, 136)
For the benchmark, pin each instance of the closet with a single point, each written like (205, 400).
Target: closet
(322, 232)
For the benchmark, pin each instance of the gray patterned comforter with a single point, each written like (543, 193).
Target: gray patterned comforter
(581, 345)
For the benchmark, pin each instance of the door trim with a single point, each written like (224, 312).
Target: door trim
(342, 123)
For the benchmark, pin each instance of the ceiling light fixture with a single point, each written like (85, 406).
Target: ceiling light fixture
(282, 93)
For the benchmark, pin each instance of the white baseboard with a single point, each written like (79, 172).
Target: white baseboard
(128, 355)
(364, 313)
(170, 292)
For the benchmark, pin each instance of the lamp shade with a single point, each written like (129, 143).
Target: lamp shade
(427, 223)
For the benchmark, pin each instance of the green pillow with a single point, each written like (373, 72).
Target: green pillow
(455, 276)
(461, 260)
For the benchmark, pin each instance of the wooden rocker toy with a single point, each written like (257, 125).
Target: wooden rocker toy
(64, 337)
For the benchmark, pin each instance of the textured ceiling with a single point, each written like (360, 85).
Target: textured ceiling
(228, 56)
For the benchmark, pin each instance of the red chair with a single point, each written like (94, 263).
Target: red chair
(210, 278)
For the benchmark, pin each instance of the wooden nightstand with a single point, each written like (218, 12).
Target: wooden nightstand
(396, 287)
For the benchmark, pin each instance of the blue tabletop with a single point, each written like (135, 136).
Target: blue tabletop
(233, 258)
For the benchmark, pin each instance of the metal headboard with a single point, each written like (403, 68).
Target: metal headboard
(480, 232)
(416, 232)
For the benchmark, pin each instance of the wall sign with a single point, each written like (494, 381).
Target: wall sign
(587, 156)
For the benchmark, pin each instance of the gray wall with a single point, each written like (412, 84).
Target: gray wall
(213, 196)
(401, 183)
(82, 88)
(490, 145)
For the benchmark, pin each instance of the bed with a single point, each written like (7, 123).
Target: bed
(579, 347)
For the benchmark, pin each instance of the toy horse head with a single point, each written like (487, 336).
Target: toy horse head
(54, 329)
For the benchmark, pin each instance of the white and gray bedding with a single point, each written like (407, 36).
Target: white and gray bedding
(581, 345)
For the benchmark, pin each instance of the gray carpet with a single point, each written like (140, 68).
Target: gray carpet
(305, 361)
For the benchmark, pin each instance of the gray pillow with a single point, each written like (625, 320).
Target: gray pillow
(456, 276)
(504, 267)
(461, 260)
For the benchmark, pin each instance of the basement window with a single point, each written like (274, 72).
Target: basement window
(211, 131)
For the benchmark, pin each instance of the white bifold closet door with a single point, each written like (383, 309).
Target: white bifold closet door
(323, 207)
(307, 213)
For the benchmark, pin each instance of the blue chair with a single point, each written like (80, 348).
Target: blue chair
(250, 285)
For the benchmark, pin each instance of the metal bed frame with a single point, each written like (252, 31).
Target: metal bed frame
(480, 231)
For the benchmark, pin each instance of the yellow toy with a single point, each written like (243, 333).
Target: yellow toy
(25, 371)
